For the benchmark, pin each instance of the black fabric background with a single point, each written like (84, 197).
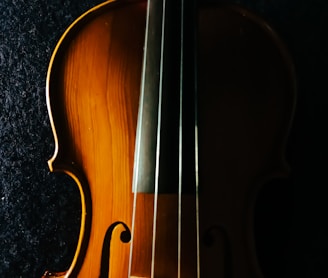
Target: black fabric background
(39, 211)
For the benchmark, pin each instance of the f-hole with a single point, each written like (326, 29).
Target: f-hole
(209, 240)
(105, 254)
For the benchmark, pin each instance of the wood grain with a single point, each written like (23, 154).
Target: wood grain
(245, 106)
(93, 96)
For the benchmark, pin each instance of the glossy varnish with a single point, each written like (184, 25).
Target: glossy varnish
(245, 101)
(94, 90)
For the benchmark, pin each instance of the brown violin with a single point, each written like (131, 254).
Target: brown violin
(169, 116)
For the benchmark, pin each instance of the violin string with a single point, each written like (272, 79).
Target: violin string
(160, 93)
(197, 185)
(180, 135)
(138, 140)
(197, 193)
(196, 137)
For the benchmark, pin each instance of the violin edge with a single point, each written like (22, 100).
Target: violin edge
(57, 165)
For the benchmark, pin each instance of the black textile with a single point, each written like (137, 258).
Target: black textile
(39, 211)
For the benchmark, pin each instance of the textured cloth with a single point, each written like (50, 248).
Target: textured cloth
(40, 212)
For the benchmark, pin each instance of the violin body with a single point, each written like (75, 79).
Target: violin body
(245, 103)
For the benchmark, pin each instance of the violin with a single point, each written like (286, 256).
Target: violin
(169, 116)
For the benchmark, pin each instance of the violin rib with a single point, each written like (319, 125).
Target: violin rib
(244, 107)
(93, 90)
